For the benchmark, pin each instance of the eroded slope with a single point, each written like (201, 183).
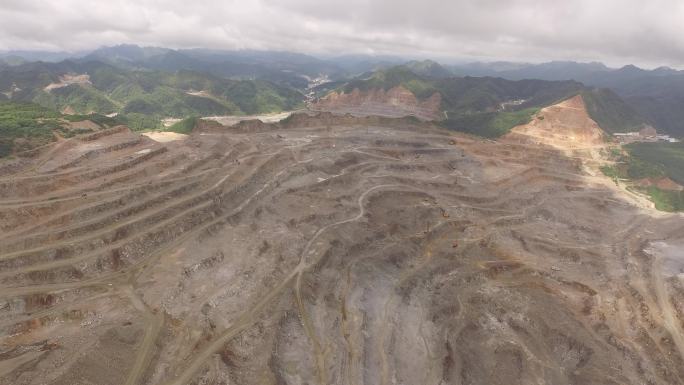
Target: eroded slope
(565, 126)
(327, 253)
(396, 102)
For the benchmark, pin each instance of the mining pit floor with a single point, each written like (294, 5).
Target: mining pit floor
(332, 254)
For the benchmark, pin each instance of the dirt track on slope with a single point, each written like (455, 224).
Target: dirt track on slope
(333, 254)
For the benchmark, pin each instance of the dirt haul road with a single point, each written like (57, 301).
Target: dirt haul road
(335, 251)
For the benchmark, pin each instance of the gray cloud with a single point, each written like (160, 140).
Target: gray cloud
(616, 31)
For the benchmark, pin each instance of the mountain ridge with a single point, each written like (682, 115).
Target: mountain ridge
(487, 106)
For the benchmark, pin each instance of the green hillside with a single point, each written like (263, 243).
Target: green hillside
(24, 126)
(610, 112)
(490, 124)
(143, 97)
(393, 77)
(185, 126)
(80, 99)
(489, 106)
(652, 160)
(486, 106)
(666, 157)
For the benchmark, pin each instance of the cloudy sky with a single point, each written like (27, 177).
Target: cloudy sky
(648, 33)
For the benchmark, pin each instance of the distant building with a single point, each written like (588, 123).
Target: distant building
(648, 132)
(667, 138)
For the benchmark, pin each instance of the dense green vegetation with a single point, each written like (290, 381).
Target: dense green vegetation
(144, 97)
(141, 122)
(659, 158)
(393, 77)
(430, 69)
(504, 121)
(612, 172)
(185, 126)
(80, 99)
(665, 200)
(634, 167)
(473, 105)
(469, 94)
(655, 95)
(610, 112)
(187, 93)
(490, 124)
(98, 119)
(24, 125)
(639, 169)
(652, 161)
(283, 68)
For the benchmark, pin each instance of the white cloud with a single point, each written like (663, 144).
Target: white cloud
(617, 31)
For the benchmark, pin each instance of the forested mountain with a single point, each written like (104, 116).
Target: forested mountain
(657, 95)
(90, 86)
(490, 106)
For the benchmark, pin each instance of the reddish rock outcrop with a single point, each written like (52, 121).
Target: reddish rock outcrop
(661, 183)
(395, 102)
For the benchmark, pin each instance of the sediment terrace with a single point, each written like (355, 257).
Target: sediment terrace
(324, 253)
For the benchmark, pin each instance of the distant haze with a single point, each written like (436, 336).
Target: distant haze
(618, 32)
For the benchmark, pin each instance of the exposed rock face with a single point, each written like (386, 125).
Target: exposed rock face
(661, 183)
(648, 132)
(376, 253)
(68, 110)
(566, 126)
(396, 102)
(69, 79)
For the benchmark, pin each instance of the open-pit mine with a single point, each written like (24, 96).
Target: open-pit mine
(331, 249)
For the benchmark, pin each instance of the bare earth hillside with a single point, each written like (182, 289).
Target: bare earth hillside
(323, 251)
(395, 102)
(565, 126)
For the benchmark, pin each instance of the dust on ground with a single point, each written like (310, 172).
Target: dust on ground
(231, 120)
(164, 137)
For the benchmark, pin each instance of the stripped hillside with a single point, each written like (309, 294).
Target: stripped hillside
(483, 106)
(657, 95)
(333, 250)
